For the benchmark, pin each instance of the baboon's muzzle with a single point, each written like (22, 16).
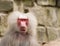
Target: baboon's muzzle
(22, 23)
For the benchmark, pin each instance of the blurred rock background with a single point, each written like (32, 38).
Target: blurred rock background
(46, 11)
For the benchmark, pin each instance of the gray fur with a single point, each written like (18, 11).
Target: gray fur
(15, 38)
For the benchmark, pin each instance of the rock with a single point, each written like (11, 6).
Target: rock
(53, 43)
(53, 33)
(41, 34)
(40, 13)
(5, 6)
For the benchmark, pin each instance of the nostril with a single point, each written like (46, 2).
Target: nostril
(22, 27)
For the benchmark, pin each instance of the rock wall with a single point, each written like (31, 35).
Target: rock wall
(48, 16)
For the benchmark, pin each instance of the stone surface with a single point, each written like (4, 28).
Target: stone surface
(5, 6)
(46, 15)
(46, 2)
(58, 16)
(58, 3)
(52, 33)
(40, 13)
(48, 19)
(52, 19)
(53, 43)
(41, 34)
(28, 3)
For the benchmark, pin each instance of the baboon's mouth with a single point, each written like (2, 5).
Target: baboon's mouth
(22, 29)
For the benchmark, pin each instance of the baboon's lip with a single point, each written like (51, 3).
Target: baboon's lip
(22, 30)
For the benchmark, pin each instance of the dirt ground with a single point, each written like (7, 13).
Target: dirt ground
(53, 43)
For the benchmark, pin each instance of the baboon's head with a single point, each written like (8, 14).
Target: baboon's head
(22, 22)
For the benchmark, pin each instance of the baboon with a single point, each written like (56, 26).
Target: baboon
(21, 30)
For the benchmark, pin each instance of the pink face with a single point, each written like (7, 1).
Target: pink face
(22, 24)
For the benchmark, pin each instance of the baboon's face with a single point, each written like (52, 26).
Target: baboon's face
(22, 24)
